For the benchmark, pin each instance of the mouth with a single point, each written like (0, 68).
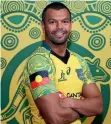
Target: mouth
(59, 34)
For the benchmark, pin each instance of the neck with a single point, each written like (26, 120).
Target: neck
(58, 49)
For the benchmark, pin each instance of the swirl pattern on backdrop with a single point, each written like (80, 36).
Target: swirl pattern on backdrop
(104, 7)
(3, 63)
(11, 6)
(108, 63)
(9, 41)
(75, 6)
(74, 36)
(97, 42)
(35, 33)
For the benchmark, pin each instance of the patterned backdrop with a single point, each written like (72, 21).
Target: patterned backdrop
(22, 34)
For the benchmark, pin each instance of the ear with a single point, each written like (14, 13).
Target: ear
(42, 25)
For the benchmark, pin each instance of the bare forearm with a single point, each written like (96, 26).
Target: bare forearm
(88, 106)
(53, 112)
(61, 116)
(67, 116)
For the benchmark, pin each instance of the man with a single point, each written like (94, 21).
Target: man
(54, 73)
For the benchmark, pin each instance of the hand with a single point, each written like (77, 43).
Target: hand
(66, 102)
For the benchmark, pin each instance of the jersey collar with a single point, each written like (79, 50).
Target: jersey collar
(63, 59)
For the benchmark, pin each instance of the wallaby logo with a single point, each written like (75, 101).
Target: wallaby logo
(64, 74)
(62, 78)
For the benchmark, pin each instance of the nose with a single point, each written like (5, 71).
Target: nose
(59, 24)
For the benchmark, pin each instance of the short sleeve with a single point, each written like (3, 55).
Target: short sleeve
(88, 78)
(41, 76)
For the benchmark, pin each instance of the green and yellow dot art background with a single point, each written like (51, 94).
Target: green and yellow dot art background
(21, 34)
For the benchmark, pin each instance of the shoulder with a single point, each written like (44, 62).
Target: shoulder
(40, 52)
(80, 59)
(39, 60)
(41, 55)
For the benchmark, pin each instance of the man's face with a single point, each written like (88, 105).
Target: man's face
(57, 26)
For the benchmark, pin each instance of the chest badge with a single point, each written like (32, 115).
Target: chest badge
(64, 74)
(62, 78)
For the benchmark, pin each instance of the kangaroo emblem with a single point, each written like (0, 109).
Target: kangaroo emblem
(97, 71)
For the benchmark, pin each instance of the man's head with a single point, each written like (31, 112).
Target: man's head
(56, 23)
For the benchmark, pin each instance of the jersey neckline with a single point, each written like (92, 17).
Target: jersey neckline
(64, 59)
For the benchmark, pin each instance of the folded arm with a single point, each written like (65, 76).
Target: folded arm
(92, 103)
(52, 112)
(89, 106)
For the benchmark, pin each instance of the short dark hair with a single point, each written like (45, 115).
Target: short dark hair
(54, 5)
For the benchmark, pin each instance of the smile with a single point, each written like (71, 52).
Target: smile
(59, 34)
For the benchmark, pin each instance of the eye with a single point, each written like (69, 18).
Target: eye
(65, 21)
(52, 22)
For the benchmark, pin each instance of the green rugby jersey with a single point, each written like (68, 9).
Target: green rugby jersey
(45, 73)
